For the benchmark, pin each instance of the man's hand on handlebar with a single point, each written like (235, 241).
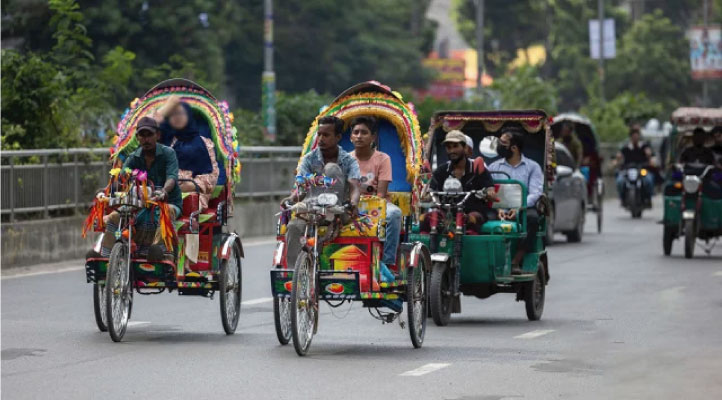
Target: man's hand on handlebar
(159, 195)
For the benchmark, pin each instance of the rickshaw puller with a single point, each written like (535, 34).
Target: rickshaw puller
(161, 164)
(328, 159)
(376, 175)
(473, 176)
(528, 172)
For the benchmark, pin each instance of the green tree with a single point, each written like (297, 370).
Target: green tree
(612, 118)
(653, 59)
(525, 89)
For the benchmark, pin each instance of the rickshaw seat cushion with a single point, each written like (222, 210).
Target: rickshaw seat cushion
(190, 203)
(373, 209)
(403, 201)
(500, 227)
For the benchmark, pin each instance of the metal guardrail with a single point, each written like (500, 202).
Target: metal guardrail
(44, 180)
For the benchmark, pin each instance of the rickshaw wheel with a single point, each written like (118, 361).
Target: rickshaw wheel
(667, 240)
(416, 297)
(118, 292)
(304, 303)
(534, 294)
(99, 307)
(440, 303)
(690, 237)
(230, 288)
(282, 319)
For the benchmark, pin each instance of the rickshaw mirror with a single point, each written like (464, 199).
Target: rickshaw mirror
(452, 185)
(487, 146)
(564, 171)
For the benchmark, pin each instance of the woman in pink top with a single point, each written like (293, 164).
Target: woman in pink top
(376, 175)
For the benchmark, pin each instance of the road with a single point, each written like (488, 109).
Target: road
(621, 321)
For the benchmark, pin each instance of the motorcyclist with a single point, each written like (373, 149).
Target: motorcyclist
(635, 152)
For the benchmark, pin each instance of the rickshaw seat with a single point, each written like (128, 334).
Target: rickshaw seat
(500, 227)
(373, 209)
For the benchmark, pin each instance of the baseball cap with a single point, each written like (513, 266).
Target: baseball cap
(147, 124)
(469, 141)
(455, 137)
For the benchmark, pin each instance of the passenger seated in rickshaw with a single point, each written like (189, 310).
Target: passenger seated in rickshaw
(328, 159)
(473, 176)
(161, 165)
(571, 141)
(376, 174)
(698, 152)
(196, 154)
(529, 173)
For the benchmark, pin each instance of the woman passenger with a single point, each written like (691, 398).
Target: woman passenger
(196, 154)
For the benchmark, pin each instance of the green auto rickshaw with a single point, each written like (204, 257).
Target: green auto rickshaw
(478, 263)
(692, 198)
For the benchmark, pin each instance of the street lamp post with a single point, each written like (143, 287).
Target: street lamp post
(479, 43)
(268, 97)
(600, 6)
(705, 89)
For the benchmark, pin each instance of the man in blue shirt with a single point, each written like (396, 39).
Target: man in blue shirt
(528, 172)
(328, 159)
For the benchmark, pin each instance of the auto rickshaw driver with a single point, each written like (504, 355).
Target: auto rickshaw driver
(698, 152)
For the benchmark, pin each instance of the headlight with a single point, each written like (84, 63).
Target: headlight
(691, 183)
(643, 172)
(633, 174)
(327, 199)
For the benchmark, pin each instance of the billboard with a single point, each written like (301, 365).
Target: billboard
(705, 52)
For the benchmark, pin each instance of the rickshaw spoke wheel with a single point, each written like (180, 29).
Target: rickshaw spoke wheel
(118, 292)
(99, 307)
(230, 286)
(417, 300)
(282, 318)
(303, 304)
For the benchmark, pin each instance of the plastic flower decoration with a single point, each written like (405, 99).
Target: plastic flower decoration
(142, 176)
(114, 172)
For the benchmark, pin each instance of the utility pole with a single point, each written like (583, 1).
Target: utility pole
(268, 97)
(479, 43)
(705, 89)
(600, 6)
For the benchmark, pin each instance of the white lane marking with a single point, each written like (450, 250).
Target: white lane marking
(534, 334)
(718, 273)
(425, 369)
(138, 323)
(257, 301)
(43, 270)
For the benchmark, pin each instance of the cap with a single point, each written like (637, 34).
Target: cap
(455, 137)
(147, 124)
(469, 141)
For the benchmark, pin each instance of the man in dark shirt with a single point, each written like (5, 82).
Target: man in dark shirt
(161, 164)
(472, 174)
(635, 152)
(698, 153)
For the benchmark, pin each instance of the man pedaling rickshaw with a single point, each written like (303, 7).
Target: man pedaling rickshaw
(161, 165)
(330, 160)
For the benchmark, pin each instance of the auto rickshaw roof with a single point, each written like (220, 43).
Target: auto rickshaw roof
(531, 120)
(582, 127)
(571, 117)
(697, 116)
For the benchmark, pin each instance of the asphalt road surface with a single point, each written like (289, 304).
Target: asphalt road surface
(621, 321)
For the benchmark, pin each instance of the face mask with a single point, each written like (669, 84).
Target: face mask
(503, 151)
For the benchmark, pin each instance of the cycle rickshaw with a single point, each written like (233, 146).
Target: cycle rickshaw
(206, 255)
(591, 160)
(340, 263)
(466, 262)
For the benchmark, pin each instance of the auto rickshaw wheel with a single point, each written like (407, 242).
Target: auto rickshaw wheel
(118, 291)
(304, 303)
(417, 303)
(282, 319)
(230, 286)
(667, 240)
(534, 294)
(600, 212)
(575, 235)
(99, 307)
(690, 237)
(440, 293)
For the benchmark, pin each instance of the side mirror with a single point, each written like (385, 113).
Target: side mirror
(564, 171)
(488, 145)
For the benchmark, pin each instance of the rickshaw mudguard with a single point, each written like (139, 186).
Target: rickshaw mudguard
(672, 210)
(224, 252)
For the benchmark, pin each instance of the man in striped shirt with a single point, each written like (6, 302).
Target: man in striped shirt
(528, 172)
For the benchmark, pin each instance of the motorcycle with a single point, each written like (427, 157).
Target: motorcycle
(635, 198)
